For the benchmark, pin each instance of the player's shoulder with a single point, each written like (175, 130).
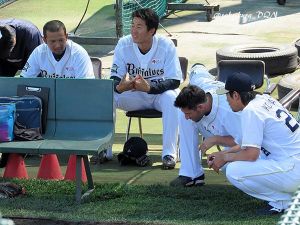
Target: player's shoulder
(165, 41)
(76, 48)
(41, 49)
(125, 41)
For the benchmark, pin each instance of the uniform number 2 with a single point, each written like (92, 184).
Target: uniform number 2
(290, 122)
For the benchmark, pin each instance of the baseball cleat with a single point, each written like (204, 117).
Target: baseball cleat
(168, 162)
(100, 158)
(199, 181)
(269, 210)
(182, 181)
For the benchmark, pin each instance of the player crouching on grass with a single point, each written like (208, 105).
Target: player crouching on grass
(204, 112)
(147, 74)
(267, 166)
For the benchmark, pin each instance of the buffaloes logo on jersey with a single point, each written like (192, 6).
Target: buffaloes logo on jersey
(114, 68)
(155, 61)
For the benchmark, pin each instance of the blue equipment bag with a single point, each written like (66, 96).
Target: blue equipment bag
(28, 110)
(7, 120)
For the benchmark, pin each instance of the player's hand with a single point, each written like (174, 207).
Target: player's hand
(216, 161)
(140, 84)
(126, 84)
(206, 144)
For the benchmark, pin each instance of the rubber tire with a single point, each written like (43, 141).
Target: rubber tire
(297, 45)
(280, 59)
(281, 2)
(286, 84)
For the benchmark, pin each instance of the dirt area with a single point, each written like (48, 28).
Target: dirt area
(33, 221)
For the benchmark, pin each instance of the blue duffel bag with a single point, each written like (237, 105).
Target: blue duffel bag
(7, 120)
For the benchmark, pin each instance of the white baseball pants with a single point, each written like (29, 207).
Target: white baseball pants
(269, 180)
(136, 100)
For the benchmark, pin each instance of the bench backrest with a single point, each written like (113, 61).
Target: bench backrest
(77, 108)
(89, 107)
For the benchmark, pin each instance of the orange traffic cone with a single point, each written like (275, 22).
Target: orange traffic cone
(71, 169)
(49, 168)
(15, 167)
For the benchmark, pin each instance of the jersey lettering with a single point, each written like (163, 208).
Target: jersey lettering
(145, 73)
(265, 151)
(44, 73)
(290, 122)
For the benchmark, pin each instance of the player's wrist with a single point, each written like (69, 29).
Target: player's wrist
(227, 157)
(119, 88)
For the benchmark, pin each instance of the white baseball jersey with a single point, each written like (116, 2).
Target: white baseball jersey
(75, 63)
(221, 121)
(267, 125)
(160, 63)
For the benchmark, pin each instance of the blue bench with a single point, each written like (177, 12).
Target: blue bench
(80, 120)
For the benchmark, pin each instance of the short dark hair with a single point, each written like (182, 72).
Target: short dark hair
(7, 42)
(190, 97)
(246, 97)
(149, 16)
(53, 26)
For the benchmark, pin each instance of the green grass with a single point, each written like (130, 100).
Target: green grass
(155, 204)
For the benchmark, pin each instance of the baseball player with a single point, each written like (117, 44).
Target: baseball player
(268, 129)
(18, 38)
(206, 113)
(147, 75)
(58, 57)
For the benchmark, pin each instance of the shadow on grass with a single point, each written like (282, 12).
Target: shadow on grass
(151, 139)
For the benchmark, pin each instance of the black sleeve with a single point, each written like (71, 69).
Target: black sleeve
(116, 82)
(158, 88)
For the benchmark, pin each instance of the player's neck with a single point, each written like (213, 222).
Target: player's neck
(145, 46)
(58, 57)
(208, 104)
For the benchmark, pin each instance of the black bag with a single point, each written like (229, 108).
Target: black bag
(134, 152)
(28, 110)
(43, 94)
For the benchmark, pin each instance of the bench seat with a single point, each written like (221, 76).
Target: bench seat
(80, 120)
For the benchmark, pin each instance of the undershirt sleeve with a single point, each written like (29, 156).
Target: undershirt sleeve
(155, 88)
(158, 88)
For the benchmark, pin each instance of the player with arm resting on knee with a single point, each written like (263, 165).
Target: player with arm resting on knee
(204, 112)
(267, 166)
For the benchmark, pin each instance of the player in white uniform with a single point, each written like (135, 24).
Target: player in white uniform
(147, 75)
(58, 57)
(206, 113)
(269, 130)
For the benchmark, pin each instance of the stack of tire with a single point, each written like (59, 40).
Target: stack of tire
(281, 2)
(278, 59)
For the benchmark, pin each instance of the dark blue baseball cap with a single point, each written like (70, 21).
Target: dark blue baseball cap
(239, 82)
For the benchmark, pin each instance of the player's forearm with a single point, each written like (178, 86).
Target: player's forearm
(161, 87)
(248, 154)
(226, 141)
(235, 148)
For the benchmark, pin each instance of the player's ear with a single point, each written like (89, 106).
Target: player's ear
(236, 95)
(45, 39)
(200, 107)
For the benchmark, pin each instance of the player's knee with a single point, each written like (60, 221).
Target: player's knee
(169, 96)
(233, 171)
